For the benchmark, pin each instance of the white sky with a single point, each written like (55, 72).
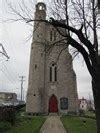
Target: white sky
(13, 36)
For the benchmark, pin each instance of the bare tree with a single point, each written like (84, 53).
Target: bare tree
(87, 18)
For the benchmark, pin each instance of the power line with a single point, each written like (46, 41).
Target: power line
(7, 70)
(9, 73)
(8, 78)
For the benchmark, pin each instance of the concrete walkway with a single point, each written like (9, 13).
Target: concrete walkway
(53, 124)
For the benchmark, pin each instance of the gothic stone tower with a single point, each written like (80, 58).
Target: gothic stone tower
(52, 81)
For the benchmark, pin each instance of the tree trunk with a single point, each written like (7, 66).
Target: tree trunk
(96, 93)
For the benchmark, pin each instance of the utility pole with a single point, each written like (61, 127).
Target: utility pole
(22, 80)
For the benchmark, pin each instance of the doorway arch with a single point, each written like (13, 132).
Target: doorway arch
(53, 104)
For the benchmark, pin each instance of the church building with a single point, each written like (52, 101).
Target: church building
(52, 84)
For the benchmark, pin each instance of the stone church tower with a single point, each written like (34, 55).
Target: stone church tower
(52, 81)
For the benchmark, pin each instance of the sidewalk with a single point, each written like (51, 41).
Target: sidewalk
(53, 124)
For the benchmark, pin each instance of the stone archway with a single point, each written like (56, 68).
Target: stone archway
(53, 104)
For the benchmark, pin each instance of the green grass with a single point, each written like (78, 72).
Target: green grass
(90, 113)
(26, 125)
(77, 124)
(23, 124)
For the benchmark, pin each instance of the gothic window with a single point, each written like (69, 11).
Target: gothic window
(50, 35)
(53, 73)
(54, 35)
(50, 73)
(64, 103)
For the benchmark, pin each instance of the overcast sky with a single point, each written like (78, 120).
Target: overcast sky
(13, 36)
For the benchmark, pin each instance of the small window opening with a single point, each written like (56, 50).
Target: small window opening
(38, 36)
(35, 66)
(41, 54)
(82, 106)
(40, 7)
(53, 64)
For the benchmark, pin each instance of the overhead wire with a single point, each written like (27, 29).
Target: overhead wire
(9, 72)
(8, 79)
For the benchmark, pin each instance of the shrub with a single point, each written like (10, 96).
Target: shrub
(7, 113)
(4, 126)
(81, 112)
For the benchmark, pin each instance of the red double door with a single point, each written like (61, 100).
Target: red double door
(53, 104)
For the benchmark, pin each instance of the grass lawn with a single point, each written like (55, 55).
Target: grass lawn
(79, 124)
(26, 125)
(90, 113)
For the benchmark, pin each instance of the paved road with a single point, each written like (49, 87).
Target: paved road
(53, 124)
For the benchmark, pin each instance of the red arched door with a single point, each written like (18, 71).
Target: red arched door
(53, 104)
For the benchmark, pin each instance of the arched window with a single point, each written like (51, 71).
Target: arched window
(50, 35)
(54, 35)
(53, 72)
